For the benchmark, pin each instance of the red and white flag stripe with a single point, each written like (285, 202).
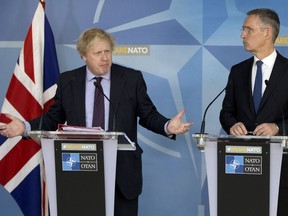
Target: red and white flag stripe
(21, 161)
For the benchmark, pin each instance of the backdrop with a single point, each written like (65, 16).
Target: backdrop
(185, 49)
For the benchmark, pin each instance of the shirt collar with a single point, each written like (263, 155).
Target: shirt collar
(269, 60)
(90, 76)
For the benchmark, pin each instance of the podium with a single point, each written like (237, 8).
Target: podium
(243, 173)
(80, 170)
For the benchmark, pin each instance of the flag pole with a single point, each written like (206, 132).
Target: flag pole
(43, 3)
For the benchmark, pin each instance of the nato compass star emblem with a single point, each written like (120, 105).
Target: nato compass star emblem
(234, 164)
(70, 161)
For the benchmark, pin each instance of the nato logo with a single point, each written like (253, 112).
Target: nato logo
(79, 162)
(249, 165)
(234, 164)
(70, 161)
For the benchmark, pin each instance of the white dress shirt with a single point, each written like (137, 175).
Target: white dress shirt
(267, 67)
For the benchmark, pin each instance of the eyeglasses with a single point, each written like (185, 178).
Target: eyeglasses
(249, 30)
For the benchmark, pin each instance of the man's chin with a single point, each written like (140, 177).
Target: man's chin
(247, 49)
(105, 69)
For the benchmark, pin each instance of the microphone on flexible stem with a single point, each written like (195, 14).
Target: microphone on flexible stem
(41, 119)
(282, 113)
(201, 134)
(202, 130)
(114, 111)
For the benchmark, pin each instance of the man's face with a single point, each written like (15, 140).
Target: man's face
(253, 35)
(99, 57)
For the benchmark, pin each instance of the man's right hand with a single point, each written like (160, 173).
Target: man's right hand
(238, 129)
(15, 128)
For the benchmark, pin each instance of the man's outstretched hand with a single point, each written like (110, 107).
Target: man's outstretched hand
(176, 126)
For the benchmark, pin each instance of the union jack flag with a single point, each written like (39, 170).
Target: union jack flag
(29, 94)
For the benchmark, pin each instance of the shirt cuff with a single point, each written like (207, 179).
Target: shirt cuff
(166, 131)
(27, 128)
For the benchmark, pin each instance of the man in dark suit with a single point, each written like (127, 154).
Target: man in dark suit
(128, 100)
(239, 116)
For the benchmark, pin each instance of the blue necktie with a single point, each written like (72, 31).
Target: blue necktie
(98, 113)
(257, 93)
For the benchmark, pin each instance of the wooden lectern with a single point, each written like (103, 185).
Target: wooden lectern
(80, 170)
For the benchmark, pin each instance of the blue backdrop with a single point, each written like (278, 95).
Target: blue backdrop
(185, 49)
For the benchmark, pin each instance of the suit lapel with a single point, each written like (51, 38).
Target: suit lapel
(276, 74)
(78, 95)
(116, 89)
(248, 78)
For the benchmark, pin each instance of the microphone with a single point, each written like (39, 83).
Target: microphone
(97, 85)
(280, 108)
(200, 138)
(202, 130)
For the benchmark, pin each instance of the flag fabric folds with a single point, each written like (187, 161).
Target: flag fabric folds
(29, 94)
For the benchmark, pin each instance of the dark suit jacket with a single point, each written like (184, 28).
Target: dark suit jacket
(238, 107)
(238, 101)
(129, 100)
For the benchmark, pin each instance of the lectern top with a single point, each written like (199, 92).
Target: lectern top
(124, 143)
(202, 138)
(211, 137)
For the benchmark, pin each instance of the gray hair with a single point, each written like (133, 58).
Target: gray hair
(269, 18)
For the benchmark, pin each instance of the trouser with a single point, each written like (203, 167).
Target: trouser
(123, 206)
(283, 189)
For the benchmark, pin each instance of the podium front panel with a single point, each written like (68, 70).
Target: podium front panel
(110, 146)
(80, 180)
(275, 143)
(243, 177)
